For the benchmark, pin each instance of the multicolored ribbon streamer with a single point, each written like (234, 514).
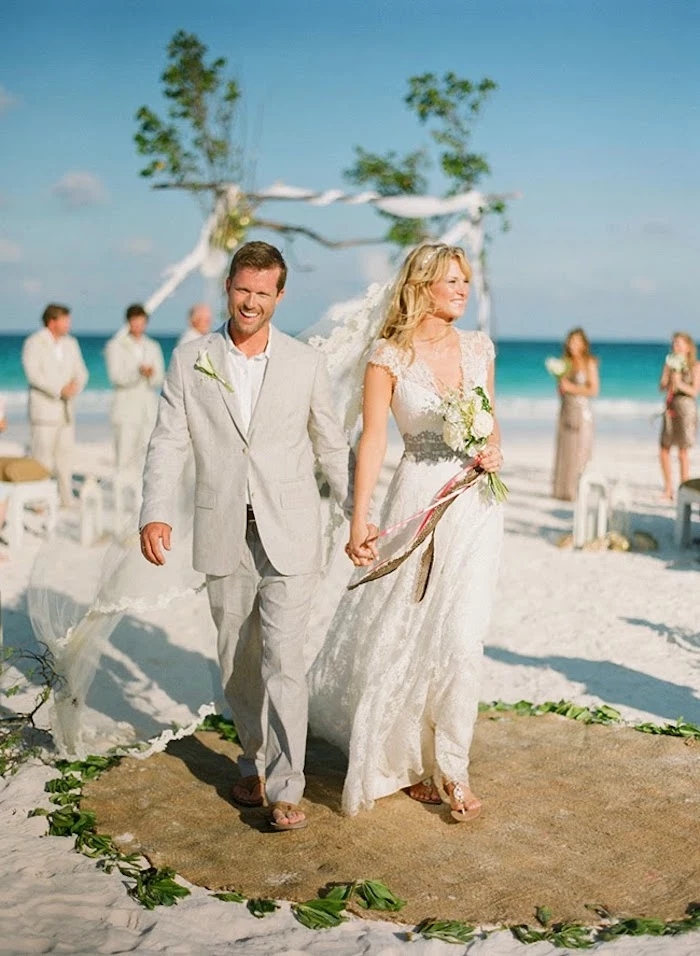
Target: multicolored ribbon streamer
(431, 515)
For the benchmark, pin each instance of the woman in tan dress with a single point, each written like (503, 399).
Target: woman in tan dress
(680, 380)
(577, 386)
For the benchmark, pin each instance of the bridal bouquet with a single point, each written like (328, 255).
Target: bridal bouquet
(558, 367)
(468, 424)
(675, 362)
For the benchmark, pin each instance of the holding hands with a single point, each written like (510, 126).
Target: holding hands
(70, 390)
(362, 548)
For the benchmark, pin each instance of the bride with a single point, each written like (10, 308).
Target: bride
(396, 683)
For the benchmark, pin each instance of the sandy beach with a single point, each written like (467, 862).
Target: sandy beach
(608, 627)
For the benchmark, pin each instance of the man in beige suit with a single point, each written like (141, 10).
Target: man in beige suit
(56, 372)
(136, 369)
(255, 407)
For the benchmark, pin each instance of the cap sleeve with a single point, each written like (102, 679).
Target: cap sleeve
(386, 356)
(487, 347)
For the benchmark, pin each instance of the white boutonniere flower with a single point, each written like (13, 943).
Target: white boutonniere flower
(204, 365)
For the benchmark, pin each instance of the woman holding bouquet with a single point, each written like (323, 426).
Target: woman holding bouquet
(396, 684)
(680, 380)
(577, 385)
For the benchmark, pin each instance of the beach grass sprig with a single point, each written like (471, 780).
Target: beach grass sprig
(449, 931)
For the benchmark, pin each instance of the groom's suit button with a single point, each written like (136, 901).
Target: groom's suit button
(245, 451)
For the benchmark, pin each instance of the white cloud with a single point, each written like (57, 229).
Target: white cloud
(10, 251)
(7, 100)
(644, 286)
(136, 246)
(32, 286)
(78, 189)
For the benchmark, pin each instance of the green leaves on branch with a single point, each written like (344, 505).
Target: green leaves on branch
(449, 106)
(195, 142)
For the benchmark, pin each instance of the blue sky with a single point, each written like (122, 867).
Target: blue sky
(595, 122)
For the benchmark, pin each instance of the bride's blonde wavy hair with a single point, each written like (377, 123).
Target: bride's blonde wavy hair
(411, 299)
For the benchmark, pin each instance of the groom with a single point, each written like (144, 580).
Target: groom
(255, 407)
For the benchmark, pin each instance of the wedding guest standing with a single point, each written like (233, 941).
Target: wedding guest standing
(136, 369)
(56, 372)
(198, 323)
(680, 380)
(579, 383)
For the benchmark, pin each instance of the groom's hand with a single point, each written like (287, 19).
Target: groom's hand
(152, 534)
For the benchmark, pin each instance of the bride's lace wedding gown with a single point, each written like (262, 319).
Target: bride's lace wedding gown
(396, 684)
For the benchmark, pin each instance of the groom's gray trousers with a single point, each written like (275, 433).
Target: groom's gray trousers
(261, 617)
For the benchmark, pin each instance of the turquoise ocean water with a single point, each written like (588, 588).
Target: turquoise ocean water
(629, 378)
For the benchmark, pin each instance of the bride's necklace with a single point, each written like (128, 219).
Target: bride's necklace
(431, 345)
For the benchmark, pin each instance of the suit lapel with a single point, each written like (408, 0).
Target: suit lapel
(216, 346)
(274, 377)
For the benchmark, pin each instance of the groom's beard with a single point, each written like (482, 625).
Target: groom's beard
(249, 327)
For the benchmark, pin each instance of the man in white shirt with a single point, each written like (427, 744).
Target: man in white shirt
(198, 323)
(136, 369)
(255, 408)
(56, 372)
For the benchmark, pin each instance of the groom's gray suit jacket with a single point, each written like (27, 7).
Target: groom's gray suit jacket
(293, 422)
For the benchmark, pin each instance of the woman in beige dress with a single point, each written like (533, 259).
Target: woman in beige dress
(577, 386)
(680, 380)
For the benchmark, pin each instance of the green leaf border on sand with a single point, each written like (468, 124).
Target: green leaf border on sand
(153, 886)
(589, 715)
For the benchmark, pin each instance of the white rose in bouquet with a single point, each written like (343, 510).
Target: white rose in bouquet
(453, 436)
(483, 425)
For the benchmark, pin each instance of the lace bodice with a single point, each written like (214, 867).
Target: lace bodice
(417, 395)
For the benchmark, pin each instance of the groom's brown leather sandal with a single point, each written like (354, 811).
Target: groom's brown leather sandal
(252, 791)
(286, 809)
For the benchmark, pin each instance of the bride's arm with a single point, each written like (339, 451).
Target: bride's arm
(378, 388)
(491, 458)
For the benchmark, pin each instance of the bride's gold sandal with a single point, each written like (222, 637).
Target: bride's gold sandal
(424, 792)
(457, 793)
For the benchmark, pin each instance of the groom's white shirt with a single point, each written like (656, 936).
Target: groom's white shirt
(267, 460)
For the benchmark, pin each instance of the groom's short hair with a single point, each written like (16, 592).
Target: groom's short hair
(259, 255)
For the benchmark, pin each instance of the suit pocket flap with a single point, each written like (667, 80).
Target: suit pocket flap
(297, 494)
(204, 498)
